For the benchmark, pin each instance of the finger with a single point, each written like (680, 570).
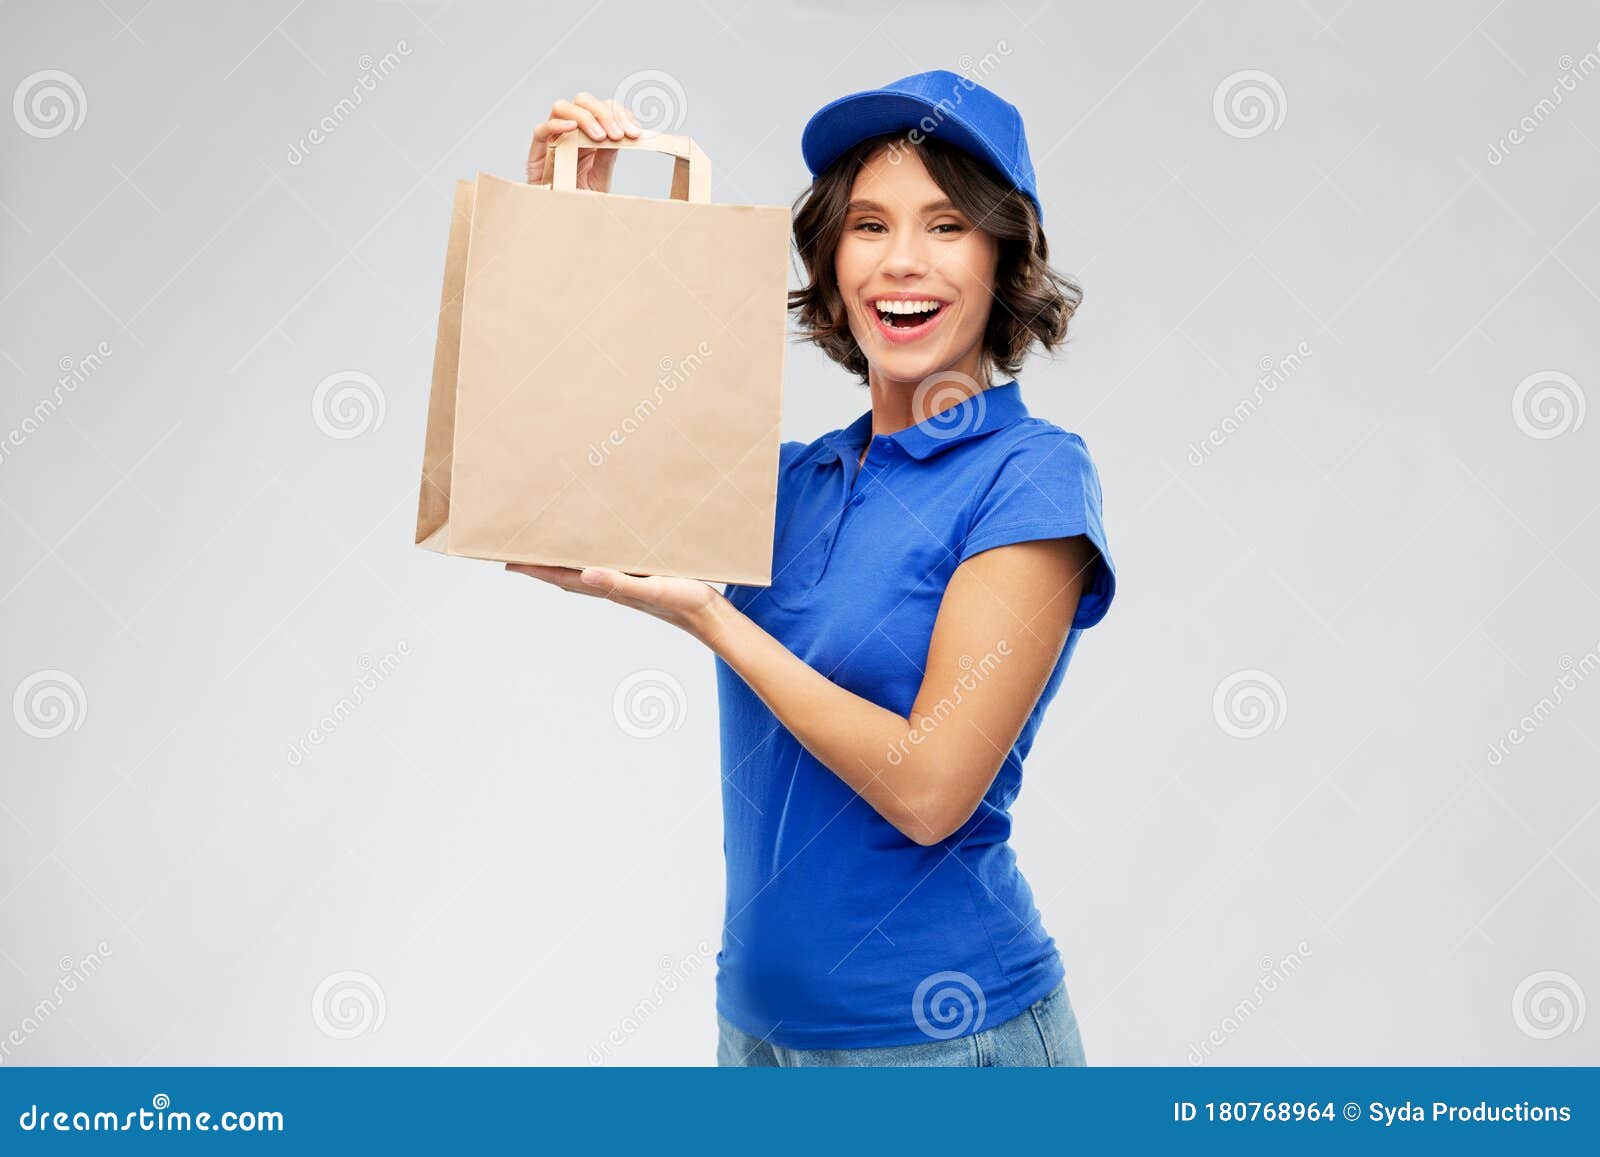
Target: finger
(530, 570)
(601, 580)
(568, 579)
(541, 568)
(630, 126)
(603, 110)
(603, 165)
(612, 596)
(618, 585)
(586, 118)
(552, 128)
(565, 577)
(544, 135)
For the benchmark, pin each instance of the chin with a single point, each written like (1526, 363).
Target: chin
(912, 367)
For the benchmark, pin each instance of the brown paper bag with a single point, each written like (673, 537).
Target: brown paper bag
(608, 375)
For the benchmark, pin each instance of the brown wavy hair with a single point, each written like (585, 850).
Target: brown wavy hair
(1032, 302)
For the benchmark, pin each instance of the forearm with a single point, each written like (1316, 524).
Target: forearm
(874, 750)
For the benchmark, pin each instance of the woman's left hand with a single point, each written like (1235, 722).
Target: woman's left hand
(686, 603)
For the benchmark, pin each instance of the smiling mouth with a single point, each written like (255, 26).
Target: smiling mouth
(907, 314)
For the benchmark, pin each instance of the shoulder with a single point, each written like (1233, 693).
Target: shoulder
(796, 459)
(1042, 456)
(794, 462)
(1040, 434)
(790, 453)
(1041, 482)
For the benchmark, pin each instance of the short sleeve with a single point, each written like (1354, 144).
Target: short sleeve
(1047, 487)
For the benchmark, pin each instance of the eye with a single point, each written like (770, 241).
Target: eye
(867, 225)
(949, 225)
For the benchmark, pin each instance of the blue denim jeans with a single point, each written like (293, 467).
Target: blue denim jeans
(1045, 1034)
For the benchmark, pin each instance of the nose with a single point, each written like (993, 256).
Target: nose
(907, 253)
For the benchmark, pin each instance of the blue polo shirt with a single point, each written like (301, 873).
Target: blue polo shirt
(837, 925)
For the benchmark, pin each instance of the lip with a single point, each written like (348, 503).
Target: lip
(902, 336)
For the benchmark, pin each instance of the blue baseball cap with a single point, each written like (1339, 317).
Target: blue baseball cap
(943, 104)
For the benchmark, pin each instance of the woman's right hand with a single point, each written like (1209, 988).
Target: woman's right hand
(598, 119)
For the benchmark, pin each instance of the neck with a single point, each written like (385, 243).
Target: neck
(897, 405)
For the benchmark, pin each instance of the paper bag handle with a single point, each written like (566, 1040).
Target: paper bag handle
(691, 175)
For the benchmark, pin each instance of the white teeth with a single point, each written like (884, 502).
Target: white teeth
(907, 306)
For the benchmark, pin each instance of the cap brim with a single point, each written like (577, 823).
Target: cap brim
(852, 119)
(843, 122)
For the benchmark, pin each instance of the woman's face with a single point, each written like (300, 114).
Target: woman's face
(907, 247)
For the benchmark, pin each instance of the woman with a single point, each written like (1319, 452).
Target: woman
(934, 564)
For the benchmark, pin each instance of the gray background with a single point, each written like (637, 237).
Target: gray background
(480, 864)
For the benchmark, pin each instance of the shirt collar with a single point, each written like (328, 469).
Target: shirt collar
(972, 417)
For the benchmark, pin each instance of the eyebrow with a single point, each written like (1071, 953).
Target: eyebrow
(873, 206)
